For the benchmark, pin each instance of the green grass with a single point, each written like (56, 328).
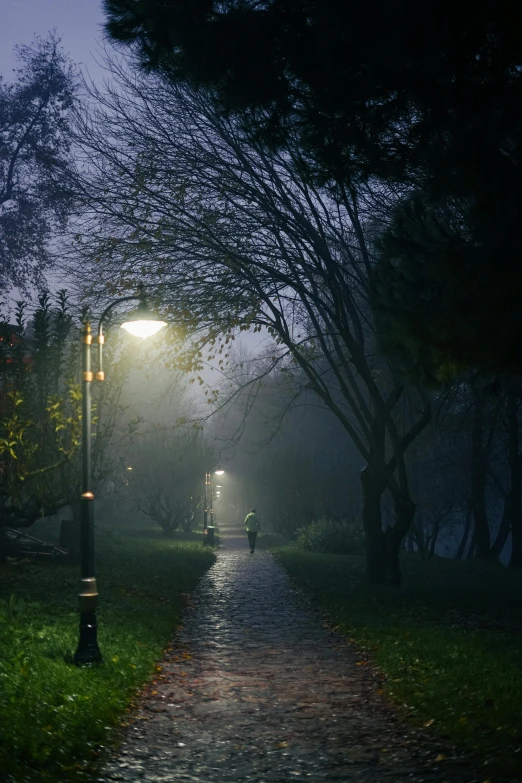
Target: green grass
(449, 643)
(55, 718)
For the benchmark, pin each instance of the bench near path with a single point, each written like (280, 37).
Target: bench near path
(257, 689)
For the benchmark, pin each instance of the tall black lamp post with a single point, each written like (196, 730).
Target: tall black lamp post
(141, 323)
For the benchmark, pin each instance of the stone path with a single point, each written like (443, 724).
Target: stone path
(256, 689)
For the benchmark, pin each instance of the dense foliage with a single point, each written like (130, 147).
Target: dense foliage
(331, 536)
(40, 411)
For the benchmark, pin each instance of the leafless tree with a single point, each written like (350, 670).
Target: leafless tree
(174, 193)
(166, 478)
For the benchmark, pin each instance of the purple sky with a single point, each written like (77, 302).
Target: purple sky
(78, 22)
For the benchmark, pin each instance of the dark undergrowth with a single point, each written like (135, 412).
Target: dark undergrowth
(56, 720)
(448, 643)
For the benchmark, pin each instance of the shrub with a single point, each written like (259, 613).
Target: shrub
(332, 537)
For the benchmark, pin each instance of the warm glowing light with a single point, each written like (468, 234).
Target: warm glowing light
(130, 467)
(143, 328)
(219, 472)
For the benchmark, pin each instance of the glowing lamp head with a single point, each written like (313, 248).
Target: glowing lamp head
(219, 472)
(142, 322)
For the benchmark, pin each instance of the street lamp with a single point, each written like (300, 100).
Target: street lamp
(218, 472)
(209, 505)
(142, 323)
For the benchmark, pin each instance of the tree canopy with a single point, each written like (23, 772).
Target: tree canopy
(34, 160)
(426, 95)
(377, 79)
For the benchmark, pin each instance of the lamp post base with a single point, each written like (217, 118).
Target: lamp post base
(88, 652)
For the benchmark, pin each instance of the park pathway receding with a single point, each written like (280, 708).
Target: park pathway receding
(257, 688)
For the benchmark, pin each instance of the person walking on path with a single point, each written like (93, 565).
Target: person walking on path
(252, 526)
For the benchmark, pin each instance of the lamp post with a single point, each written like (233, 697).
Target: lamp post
(208, 489)
(218, 472)
(141, 323)
(209, 504)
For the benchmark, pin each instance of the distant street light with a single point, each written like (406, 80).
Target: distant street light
(209, 505)
(141, 323)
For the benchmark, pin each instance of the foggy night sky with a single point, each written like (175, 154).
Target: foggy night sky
(78, 23)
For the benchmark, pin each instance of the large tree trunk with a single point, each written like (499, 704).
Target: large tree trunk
(515, 469)
(465, 534)
(435, 530)
(372, 488)
(417, 530)
(472, 547)
(504, 529)
(393, 536)
(383, 547)
(478, 480)
(3, 544)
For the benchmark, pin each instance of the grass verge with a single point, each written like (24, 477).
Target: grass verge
(55, 718)
(448, 643)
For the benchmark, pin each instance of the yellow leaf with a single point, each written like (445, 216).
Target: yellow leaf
(440, 757)
(154, 693)
(282, 745)
(115, 658)
(430, 722)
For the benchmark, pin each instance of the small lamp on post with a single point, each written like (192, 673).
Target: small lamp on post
(208, 535)
(218, 472)
(142, 323)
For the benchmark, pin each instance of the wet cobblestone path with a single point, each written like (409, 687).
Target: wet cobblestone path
(257, 689)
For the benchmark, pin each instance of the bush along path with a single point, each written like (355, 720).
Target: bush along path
(255, 687)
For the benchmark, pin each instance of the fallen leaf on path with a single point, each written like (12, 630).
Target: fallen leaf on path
(440, 757)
